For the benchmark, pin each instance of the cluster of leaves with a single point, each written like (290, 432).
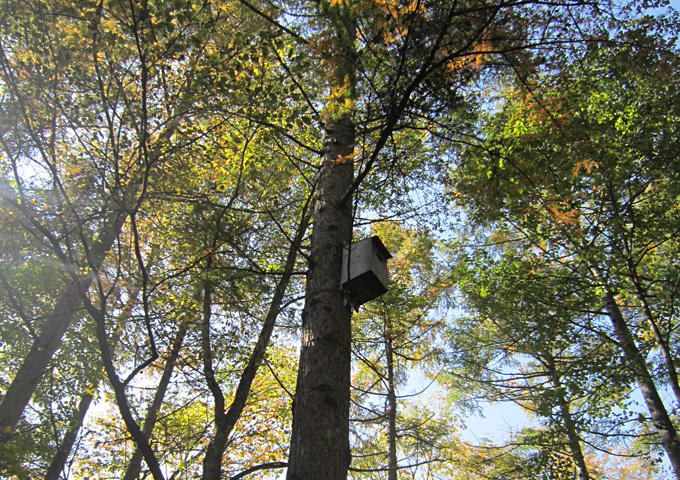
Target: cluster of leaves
(574, 195)
(394, 339)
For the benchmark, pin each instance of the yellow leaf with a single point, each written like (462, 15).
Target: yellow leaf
(587, 163)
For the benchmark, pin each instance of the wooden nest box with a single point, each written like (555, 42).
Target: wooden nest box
(364, 271)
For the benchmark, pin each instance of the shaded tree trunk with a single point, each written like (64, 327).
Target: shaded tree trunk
(212, 462)
(568, 421)
(56, 467)
(661, 342)
(64, 450)
(320, 436)
(225, 421)
(391, 407)
(657, 410)
(319, 446)
(49, 340)
(135, 464)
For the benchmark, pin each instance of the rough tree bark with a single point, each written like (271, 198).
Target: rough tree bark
(320, 433)
(320, 437)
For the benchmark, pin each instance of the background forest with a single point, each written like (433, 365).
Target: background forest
(178, 179)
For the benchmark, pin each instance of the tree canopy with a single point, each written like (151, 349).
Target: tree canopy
(179, 183)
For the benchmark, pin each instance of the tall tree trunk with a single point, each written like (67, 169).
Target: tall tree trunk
(119, 387)
(320, 436)
(657, 410)
(56, 467)
(661, 342)
(135, 463)
(225, 423)
(64, 450)
(212, 462)
(567, 420)
(319, 446)
(44, 347)
(391, 407)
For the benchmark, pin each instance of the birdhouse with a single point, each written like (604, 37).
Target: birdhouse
(364, 270)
